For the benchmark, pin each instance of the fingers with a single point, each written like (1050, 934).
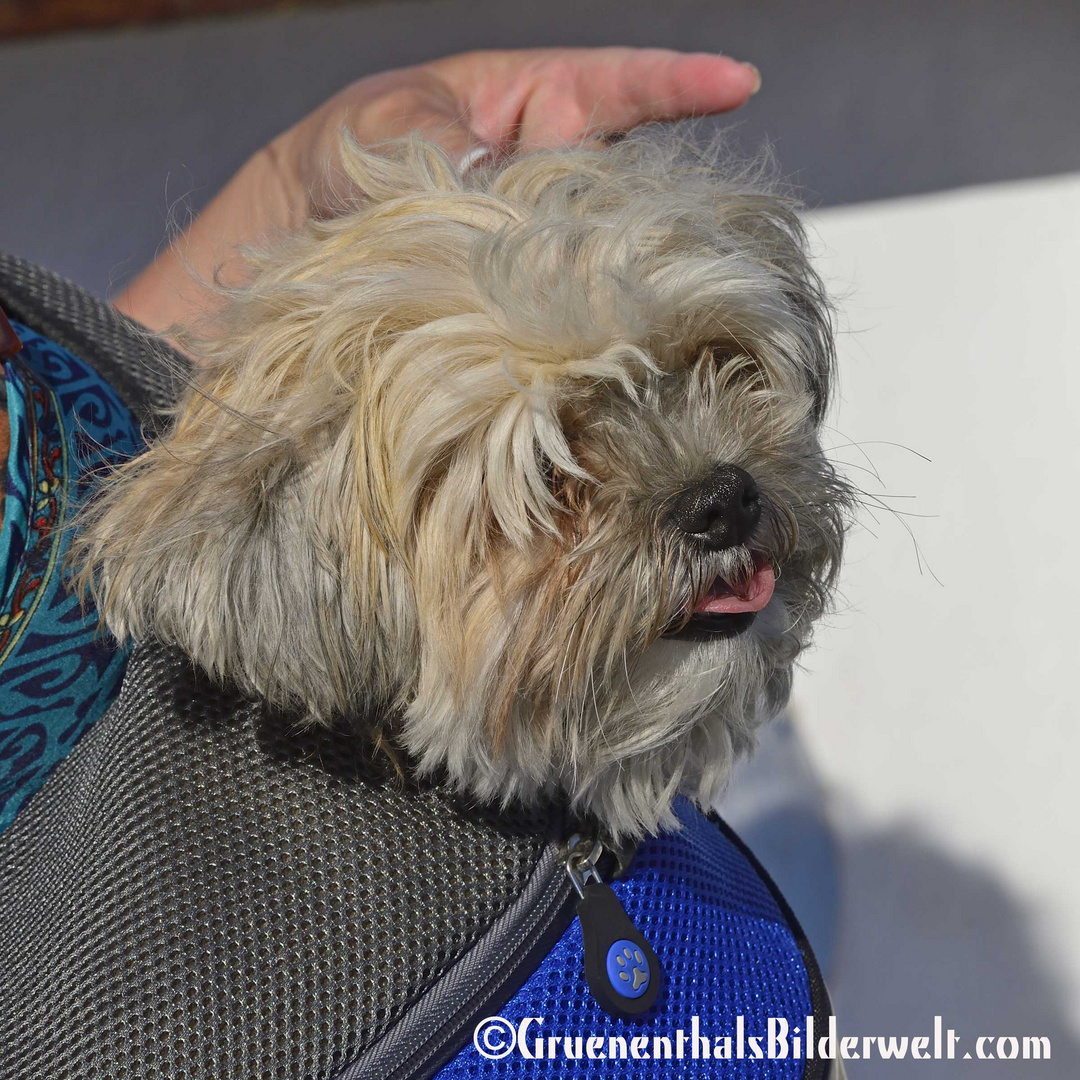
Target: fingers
(635, 86)
(509, 99)
(616, 90)
(550, 97)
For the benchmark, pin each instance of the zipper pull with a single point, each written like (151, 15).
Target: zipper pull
(621, 968)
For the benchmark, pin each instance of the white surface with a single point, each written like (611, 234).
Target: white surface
(941, 709)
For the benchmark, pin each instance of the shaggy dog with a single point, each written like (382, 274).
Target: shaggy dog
(521, 459)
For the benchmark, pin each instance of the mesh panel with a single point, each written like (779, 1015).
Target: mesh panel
(726, 951)
(197, 892)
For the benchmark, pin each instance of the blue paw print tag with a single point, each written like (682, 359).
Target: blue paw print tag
(627, 969)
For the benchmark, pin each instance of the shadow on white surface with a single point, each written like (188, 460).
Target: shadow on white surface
(903, 929)
(922, 933)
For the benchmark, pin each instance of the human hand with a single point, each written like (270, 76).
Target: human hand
(507, 100)
(499, 100)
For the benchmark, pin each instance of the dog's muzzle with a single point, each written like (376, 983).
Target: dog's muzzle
(722, 511)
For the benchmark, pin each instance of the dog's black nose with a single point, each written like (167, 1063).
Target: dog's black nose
(721, 511)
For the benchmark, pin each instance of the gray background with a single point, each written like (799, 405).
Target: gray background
(109, 136)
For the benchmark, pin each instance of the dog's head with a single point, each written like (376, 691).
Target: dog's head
(526, 458)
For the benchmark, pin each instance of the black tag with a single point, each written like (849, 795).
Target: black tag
(622, 970)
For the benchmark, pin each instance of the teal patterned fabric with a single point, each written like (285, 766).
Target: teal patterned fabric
(58, 674)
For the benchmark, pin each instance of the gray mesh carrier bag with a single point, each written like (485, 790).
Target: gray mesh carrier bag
(201, 891)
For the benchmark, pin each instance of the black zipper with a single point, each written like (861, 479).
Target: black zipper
(621, 969)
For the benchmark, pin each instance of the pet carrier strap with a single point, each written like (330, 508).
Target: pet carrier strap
(481, 982)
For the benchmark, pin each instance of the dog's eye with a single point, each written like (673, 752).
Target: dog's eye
(721, 353)
(570, 493)
(733, 362)
(546, 467)
(554, 478)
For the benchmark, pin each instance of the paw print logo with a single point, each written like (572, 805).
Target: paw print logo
(627, 969)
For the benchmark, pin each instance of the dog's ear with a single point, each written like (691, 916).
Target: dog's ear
(239, 537)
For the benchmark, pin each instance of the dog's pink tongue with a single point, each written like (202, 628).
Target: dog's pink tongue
(757, 595)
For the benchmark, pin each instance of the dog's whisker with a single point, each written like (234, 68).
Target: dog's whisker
(863, 443)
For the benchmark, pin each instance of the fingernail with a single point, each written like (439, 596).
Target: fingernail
(476, 156)
(757, 77)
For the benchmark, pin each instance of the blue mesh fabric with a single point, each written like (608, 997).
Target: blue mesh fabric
(726, 950)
